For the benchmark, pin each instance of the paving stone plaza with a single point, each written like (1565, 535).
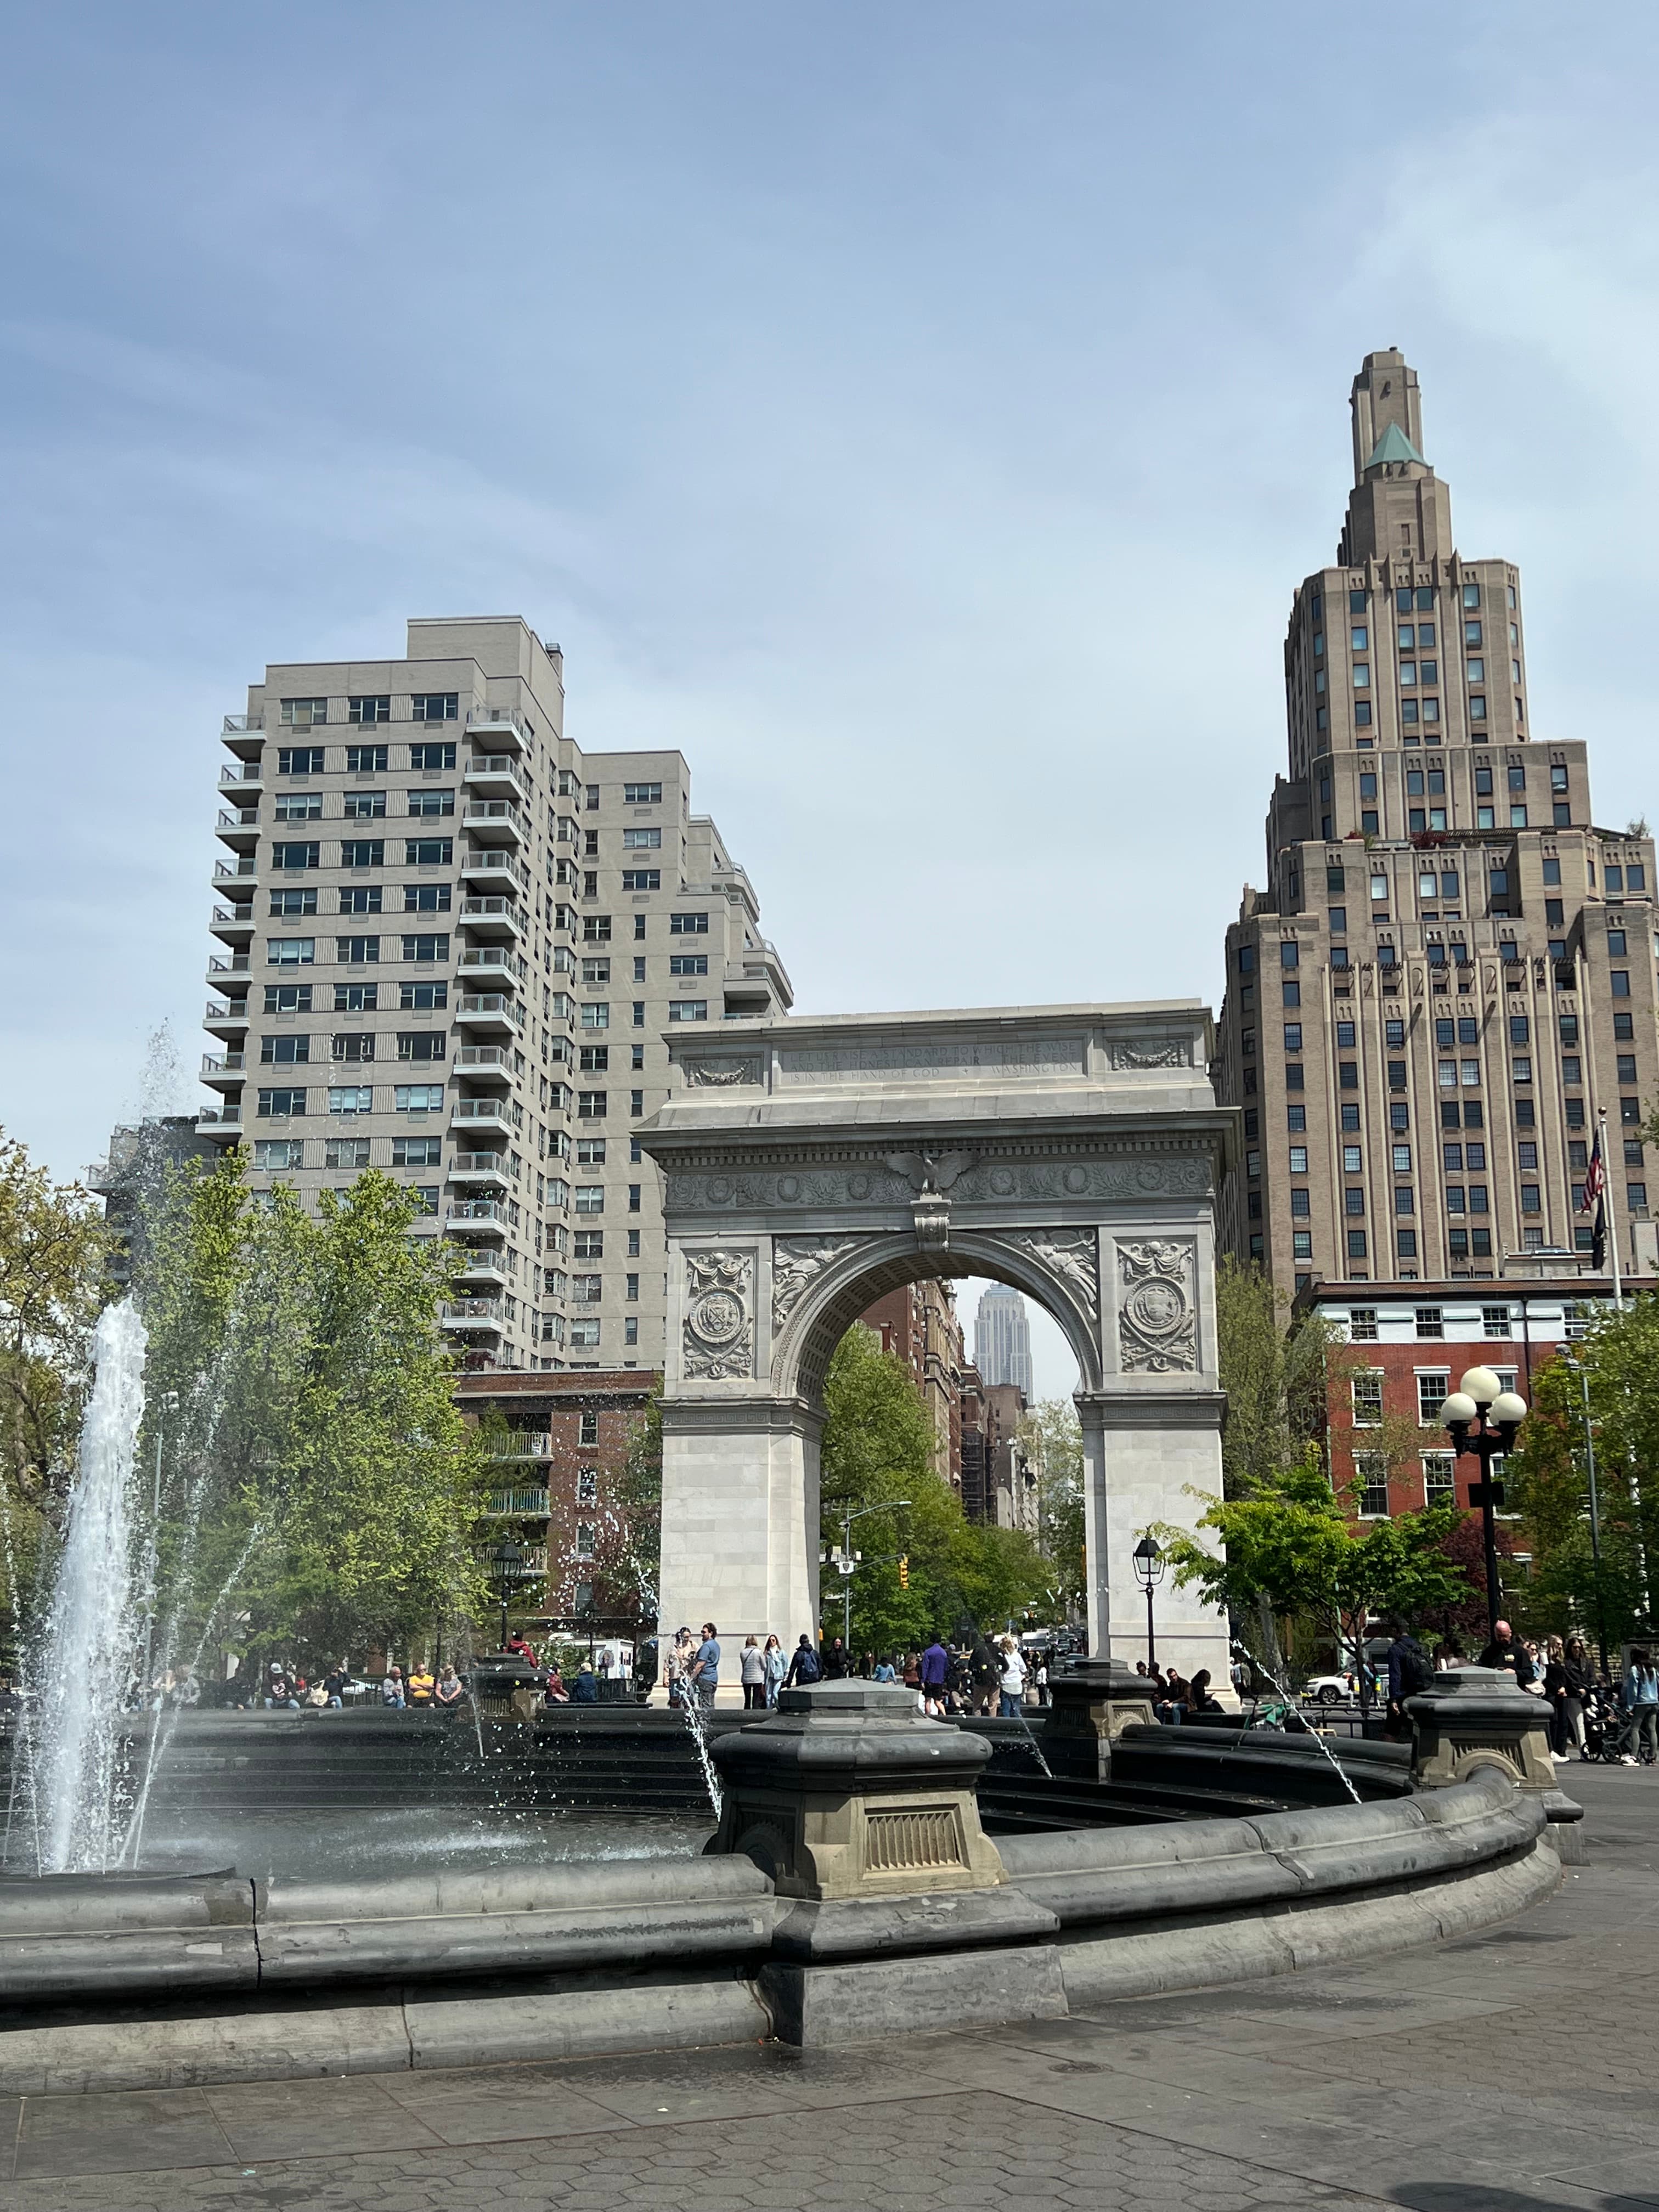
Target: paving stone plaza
(1510, 2072)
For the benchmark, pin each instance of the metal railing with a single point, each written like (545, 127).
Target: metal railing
(487, 1109)
(485, 1055)
(227, 963)
(492, 955)
(481, 1312)
(477, 1209)
(478, 1164)
(493, 909)
(227, 872)
(244, 817)
(243, 911)
(495, 809)
(493, 764)
(225, 1117)
(521, 1444)
(530, 1502)
(241, 772)
(491, 1002)
(492, 859)
(222, 1063)
(236, 725)
(226, 1013)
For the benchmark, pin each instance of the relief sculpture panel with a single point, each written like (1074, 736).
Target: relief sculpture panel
(795, 1262)
(718, 1339)
(1158, 1312)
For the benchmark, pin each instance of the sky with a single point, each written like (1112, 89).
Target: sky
(920, 415)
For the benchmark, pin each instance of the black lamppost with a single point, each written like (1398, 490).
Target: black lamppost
(1149, 1567)
(1481, 1417)
(1578, 1368)
(506, 1559)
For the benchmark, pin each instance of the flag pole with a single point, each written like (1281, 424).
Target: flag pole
(1607, 1202)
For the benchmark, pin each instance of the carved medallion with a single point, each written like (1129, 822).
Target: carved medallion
(718, 1339)
(1157, 1319)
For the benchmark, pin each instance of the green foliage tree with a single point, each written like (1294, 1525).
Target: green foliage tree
(54, 1252)
(1275, 1376)
(878, 1446)
(1054, 1436)
(1291, 1543)
(1548, 1481)
(321, 1480)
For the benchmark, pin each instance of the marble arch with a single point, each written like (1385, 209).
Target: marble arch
(809, 1165)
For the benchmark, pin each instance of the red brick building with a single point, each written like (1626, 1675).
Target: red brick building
(555, 1492)
(918, 1323)
(1402, 1347)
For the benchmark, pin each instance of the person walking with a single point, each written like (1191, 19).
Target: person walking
(804, 1667)
(935, 1677)
(834, 1660)
(1640, 1742)
(1411, 1672)
(1578, 1680)
(1011, 1686)
(775, 1666)
(1040, 1680)
(752, 1669)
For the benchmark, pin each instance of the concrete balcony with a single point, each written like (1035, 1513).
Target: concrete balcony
(476, 1316)
(489, 1013)
(481, 965)
(234, 925)
(239, 873)
(495, 775)
(222, 965)
(222, 1123)
(485, 1117)
(483, 1270)
(476, 1216)
(229, 1021)
(479, 1170)
(529, 1503)
(485, 1063)
(496, 822)
(757, 982)
(244, 735)
(497, 729)
(224, 1071)
(494, 917)
(523, 1443)
(239, 828)
(491, 870)
(242, 780)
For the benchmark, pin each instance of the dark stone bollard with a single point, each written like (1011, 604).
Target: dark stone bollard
(846, 1790)
(1480, 1716)
(1090, 1702)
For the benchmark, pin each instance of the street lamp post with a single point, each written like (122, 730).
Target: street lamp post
(506, 1559)
(1149, 1567)
(846, 1562)
(1579, 1369)
(1481, 1417)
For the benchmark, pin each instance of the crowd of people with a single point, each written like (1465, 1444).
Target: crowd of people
(1594, 1715)
(973, 1675)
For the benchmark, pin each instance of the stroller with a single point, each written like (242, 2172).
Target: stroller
(1604, 1727)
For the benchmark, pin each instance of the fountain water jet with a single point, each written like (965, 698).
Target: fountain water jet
(85, 1659)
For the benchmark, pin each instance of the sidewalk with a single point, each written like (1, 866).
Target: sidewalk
(1514, 2072)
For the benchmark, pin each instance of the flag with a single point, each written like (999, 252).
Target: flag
(1595, 1201)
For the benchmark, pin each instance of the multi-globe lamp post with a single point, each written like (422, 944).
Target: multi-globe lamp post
(1481, 1417)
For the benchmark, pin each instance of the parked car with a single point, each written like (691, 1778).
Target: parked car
(1338, 1689)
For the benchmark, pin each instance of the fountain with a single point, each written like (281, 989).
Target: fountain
(86, 1659)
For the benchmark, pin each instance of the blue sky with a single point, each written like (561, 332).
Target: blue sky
(920, 415)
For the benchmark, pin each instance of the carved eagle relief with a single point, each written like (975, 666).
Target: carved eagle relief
(927, 1171)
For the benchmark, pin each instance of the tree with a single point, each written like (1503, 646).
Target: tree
(1548, 1480)
(879, 1445)
(1054, 1436)
(1275, 1376)
(1290, 1544)
(54, 1252)
(628, 1565)
(317, 1465)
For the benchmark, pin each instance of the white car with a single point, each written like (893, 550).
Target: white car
(1339, 1689)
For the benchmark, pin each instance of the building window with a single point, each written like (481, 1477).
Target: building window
(1372, 1471)
(278, 1105)
(688, 1009)
(590, 1197)
(1439, 1487)
(1301, 1203)
(369, 710)
(1366, 1385)
(642, 880)
(413, 1098)
(1301, 1244)
(271, 1155)
(585, 1334)
(1430, 1322)
(303, 714)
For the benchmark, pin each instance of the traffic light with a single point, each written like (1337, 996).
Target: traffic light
(904, 1571)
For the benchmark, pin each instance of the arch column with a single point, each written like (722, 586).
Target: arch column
(1145, 1452)
(739, 1519)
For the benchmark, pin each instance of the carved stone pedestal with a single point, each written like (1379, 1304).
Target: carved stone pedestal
(1090, 1702)
(1480, 1716)
(848, 1791)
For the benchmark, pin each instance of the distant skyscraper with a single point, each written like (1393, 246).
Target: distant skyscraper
(1002, 1339)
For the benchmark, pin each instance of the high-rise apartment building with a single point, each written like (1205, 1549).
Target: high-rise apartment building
(1451, 969)
(1002, 1339)
(453, 945)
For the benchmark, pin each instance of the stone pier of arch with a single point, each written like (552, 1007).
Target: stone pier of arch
(811, 1165)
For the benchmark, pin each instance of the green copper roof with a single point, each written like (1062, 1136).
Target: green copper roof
(1394, 445)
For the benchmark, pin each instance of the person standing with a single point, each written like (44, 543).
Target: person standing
(752, 1668)
(775, 1666)
(676, 1667)
(1010, 1686)
(1410, 1674)
(705, 1677)
(1508, 1656)
(834, 1660)
(1641, 1692)
(935, 1675)
(1578, 1680)
(804, 1667)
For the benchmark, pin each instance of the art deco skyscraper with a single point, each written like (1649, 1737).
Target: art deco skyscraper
(1451, 969)
(1002, 1339)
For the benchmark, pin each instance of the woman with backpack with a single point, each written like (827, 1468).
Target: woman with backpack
(803, 1666)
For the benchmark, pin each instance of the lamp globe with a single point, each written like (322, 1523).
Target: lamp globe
(1480, 1384)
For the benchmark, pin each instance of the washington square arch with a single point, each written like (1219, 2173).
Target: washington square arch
(812, 1164)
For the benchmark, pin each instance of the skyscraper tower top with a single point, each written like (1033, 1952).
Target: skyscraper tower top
(1398, 508)
(1002, 1339)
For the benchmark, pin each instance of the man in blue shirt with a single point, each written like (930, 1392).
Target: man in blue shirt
(706, 1667)
(935, 1672)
